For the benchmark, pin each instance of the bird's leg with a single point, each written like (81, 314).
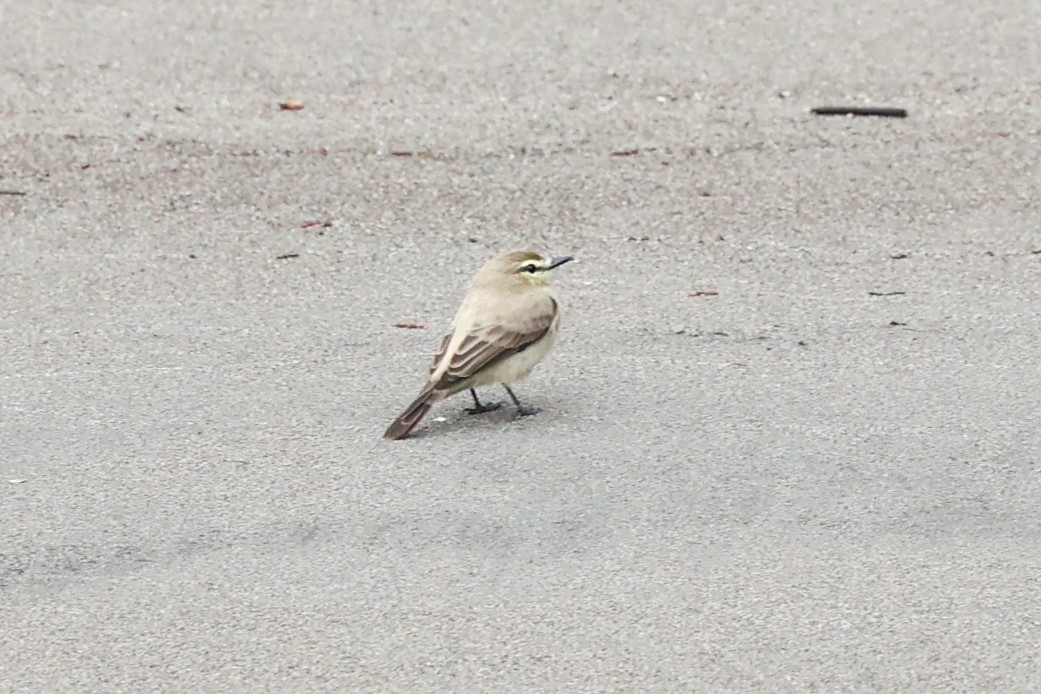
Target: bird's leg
(521, 409)
(478, 408)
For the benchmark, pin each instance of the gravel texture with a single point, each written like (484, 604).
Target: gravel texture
(822, 473)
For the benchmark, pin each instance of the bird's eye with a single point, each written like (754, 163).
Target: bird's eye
(529, 268)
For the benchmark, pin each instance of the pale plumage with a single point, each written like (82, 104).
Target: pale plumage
(505, 326)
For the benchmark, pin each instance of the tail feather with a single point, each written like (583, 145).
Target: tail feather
(413, 414)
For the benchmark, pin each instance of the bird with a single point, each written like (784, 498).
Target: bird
(506, 324)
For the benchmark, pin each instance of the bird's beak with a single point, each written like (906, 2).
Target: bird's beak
(558, 261)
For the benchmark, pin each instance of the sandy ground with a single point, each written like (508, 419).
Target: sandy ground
(824, 477)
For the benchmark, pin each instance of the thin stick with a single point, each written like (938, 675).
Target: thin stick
(884, 112)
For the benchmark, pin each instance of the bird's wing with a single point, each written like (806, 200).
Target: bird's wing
(485, 345)
(440, 352)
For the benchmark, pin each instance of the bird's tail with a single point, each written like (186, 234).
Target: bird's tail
(412, 415)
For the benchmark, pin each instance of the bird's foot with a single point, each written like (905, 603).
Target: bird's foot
(481, 409)
(527, 410)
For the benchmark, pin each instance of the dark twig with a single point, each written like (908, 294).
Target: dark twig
(884, 112)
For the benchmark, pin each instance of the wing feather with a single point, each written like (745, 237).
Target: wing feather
(440, 352)
(486, 345)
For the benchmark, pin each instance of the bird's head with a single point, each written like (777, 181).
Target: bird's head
(523, 267)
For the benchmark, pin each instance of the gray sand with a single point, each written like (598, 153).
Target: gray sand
(792, 485)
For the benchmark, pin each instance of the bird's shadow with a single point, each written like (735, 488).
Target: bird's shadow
(458, 419)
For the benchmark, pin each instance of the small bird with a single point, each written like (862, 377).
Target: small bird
(505, 326)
